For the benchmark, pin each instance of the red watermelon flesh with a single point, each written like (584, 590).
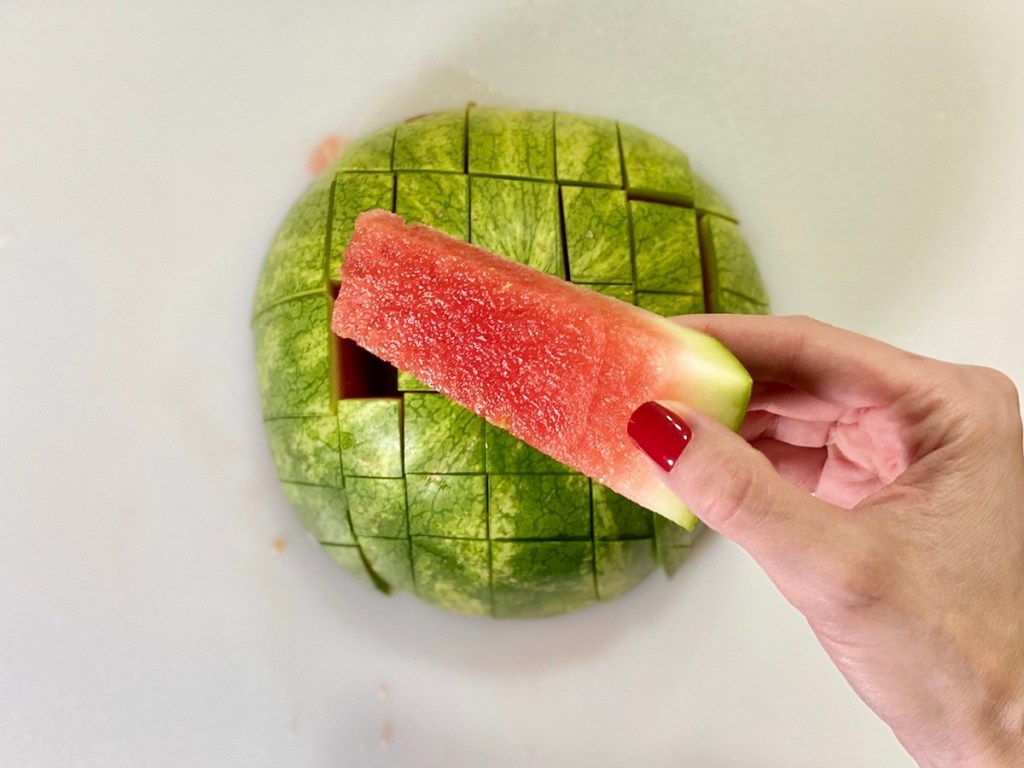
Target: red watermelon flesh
(559, 366)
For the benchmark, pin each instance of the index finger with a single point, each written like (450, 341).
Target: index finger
(835, 365)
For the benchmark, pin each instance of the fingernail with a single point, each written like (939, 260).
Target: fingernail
(659, 433)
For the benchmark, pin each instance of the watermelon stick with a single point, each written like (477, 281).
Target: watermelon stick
(560, 367)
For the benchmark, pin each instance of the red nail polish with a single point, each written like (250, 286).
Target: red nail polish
(659, 433)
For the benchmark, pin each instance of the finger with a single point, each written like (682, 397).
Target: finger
(800, 466)
(797, 432)
(731, 486)
(785, 401)
(834, 365)
(845, 483)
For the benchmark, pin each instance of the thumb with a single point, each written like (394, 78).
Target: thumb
(727, 483)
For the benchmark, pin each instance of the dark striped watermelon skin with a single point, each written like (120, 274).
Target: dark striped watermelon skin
(398, 483)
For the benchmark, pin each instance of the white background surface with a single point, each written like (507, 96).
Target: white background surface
(873, 149)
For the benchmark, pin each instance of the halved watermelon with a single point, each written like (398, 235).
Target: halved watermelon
(558, 366)
(403, 486)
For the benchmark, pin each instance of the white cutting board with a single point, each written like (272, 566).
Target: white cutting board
(160, 606)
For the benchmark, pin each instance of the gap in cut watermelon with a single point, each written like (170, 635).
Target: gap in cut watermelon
(359, 373)
(363, 374)
(465, 139)
(561, 227)
(664, 198)
(629, 215)
(707, 265)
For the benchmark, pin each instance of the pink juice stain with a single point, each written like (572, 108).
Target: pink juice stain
(325, 153)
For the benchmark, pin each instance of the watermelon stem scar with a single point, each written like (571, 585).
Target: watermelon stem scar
(559, 367)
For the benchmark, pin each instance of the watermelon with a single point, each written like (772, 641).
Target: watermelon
(558, 366)
(398, 483)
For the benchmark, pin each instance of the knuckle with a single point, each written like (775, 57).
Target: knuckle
(994, 395)
(977, 401)
(989, 382)
(1003, 387)
(805, 322)
(736, 499)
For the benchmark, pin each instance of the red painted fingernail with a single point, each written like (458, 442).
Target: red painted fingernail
(659, 433)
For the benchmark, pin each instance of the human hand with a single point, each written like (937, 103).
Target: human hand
(883, 494)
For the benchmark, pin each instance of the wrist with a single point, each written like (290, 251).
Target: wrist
(1000, 735)
(994, 738)
(1003, 746)
(1009, 756)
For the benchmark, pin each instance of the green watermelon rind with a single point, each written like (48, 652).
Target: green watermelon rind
(403, 168)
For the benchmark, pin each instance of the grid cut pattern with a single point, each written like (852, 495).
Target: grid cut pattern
(412, 491)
